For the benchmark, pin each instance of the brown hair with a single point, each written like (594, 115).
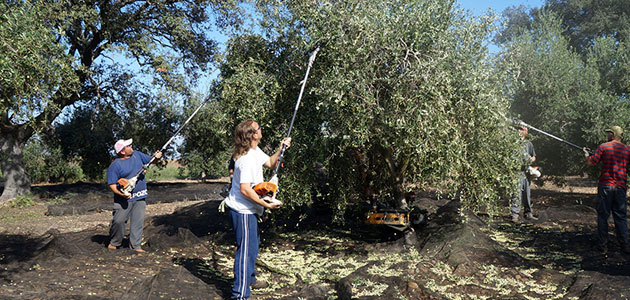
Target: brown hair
(243, 137)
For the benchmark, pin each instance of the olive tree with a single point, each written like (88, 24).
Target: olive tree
(401, 98)
(554, 90)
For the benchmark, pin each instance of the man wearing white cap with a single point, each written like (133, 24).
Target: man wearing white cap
(130, 206)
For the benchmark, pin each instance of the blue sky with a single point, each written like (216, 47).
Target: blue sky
(481, 7)
(474, 6)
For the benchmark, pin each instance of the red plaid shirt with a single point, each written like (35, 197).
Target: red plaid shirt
(615, 158)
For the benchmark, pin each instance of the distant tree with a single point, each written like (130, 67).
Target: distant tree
(612, 59)
(597, 30)
(583, 21)
(45, 163)
(78, 49)
(586, 20)
(516, 19)
(88, 136)
(206, 146)
(554, 90)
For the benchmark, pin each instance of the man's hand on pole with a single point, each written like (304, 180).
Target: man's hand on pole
(285, 141)
(587, 152)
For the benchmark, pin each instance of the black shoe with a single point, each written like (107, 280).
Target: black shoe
(530, 216)
(625, 248)
(259, 284)
(602, 249)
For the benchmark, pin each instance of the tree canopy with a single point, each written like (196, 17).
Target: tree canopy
(82, 60)
(572, 92)
(401, 97)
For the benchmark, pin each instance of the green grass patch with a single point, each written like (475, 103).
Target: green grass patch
(23, 201)
(172, 171)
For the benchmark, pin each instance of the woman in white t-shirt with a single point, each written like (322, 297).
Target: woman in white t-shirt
(245, 204)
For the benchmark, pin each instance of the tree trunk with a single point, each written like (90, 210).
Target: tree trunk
(396, 177)
(16, 181)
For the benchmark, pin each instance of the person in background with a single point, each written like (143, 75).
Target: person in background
(225, 191)
(524, 193)
(129, 206)
(244, 204)
(611, 188)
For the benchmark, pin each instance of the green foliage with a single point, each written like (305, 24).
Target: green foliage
(515, 20)
(206, 148)
(167, 173)
(597, 30)
(87, 137)
(71, 52)
(586, 21)
(553, 90)
(47, 164)
(612, 59)
(400, 98)
(22, 201)
(33, 66)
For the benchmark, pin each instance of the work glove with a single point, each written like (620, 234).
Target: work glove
(222, 206)
(534, 172)
(587, 152)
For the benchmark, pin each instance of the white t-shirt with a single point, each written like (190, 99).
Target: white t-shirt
(247, 169)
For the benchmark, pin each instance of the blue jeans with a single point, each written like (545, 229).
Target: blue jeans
(611, 198)
(247, 239)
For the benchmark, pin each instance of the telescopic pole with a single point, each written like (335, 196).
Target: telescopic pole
(550, 135)
(144, 167)
(311, 59)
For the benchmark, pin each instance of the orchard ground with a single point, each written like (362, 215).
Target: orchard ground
(54, 247)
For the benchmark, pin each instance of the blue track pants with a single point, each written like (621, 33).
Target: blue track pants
(247, 239)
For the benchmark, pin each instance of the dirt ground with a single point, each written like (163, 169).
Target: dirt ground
(56, 249)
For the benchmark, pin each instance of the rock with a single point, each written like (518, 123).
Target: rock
(172, 283)
(344, 289)
(314, 291)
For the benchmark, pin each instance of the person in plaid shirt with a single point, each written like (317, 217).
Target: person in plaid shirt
(611, 189)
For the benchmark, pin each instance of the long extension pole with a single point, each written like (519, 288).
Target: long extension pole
(144, 167)
(549, 135)
(311, 59)
(128, 188)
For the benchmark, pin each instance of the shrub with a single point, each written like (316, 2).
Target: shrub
(46, 164)
(22, 201)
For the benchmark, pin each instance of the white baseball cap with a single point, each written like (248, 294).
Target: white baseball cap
(122, 144)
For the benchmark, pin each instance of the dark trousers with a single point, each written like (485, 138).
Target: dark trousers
(247, 239)
(524, 197)
(611, 198)
(134, 212)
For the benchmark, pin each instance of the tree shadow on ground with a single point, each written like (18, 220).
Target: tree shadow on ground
(207, 273)
(566, 250)
(549, 198)
(84, 197)
(202, 219)
(103, 240)
(16, 249)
